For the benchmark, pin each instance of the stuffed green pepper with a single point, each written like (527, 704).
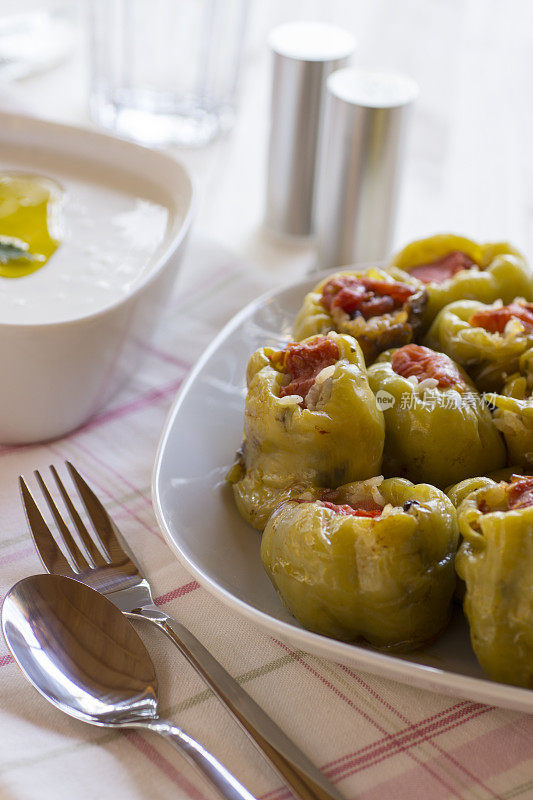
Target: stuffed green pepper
(487, 340)
(438, 428)
(455, 268)
(496, 562)
(459, 491)
(310, 419)
(371, 560)
(513, 414)
(380, 309)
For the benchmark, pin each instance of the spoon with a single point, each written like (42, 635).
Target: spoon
(81, 653)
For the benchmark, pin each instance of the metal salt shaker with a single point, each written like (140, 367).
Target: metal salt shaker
(305, 54)
(361, 155)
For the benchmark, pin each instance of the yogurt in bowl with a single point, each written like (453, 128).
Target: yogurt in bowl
(76, 300)
(106, 228)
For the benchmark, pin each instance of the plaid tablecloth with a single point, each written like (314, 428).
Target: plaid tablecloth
(374, 738)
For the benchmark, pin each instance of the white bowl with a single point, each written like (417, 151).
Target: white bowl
(56, 375)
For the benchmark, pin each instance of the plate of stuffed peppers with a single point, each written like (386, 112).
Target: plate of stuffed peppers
(350, 466)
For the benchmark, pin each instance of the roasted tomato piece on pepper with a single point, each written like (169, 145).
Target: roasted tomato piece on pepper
(494, 320)
(520, 492)
(380, 309)
(414, 359)
(303, 362)
(350, 510)
(454, 268)
(365, 296)
(365, 507)
(488, 341)
(443, 268)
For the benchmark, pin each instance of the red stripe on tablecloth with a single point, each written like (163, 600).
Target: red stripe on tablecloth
(170, 358)
(331, 686)
(18, 556)
(411, 726)
(115, 472)
(373, 722)
(401, 742)
(179, 592)
(389, 746)
(138, 404)
(5, 660)
(220, 273)
(153, 755)
(491, 753)
(461, 767)
(13, 448)
(114, 413)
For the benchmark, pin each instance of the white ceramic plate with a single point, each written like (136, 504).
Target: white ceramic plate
(196, 512)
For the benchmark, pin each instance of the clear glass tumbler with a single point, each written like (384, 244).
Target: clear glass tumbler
(165, 71)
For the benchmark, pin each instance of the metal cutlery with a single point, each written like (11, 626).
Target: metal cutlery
(83, 655)
(107, 567)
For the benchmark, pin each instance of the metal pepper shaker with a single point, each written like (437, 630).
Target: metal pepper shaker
(360, 161)
(305, 54)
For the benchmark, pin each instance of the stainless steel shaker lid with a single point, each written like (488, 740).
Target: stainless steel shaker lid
(305, 54)
(370, 88)
(311, 41)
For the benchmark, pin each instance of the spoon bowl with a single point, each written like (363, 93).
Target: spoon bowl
(84, 656)
(79, 651)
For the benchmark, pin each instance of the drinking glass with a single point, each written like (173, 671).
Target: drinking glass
(165, 71)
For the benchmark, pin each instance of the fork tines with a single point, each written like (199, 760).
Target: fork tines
(100, 545)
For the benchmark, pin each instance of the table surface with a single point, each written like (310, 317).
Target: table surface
(469, 169)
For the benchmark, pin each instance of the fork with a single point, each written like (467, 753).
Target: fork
(108, 566)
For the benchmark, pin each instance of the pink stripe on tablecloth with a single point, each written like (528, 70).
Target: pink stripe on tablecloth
(114, 413)
(154, 530)
(491, 753)
(146, 500)
(353, 762)
(179, 592)
(137, 404)
(153, 755)
(373, 722)
(402, 742)
(362, 759)
(461, 767)
(170, 358)
(12, 448)
(17, 556)
(219, 273)
(411, 726)
(332, 687)
(7, 659)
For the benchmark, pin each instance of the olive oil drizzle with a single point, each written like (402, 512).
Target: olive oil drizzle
(29, 222)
